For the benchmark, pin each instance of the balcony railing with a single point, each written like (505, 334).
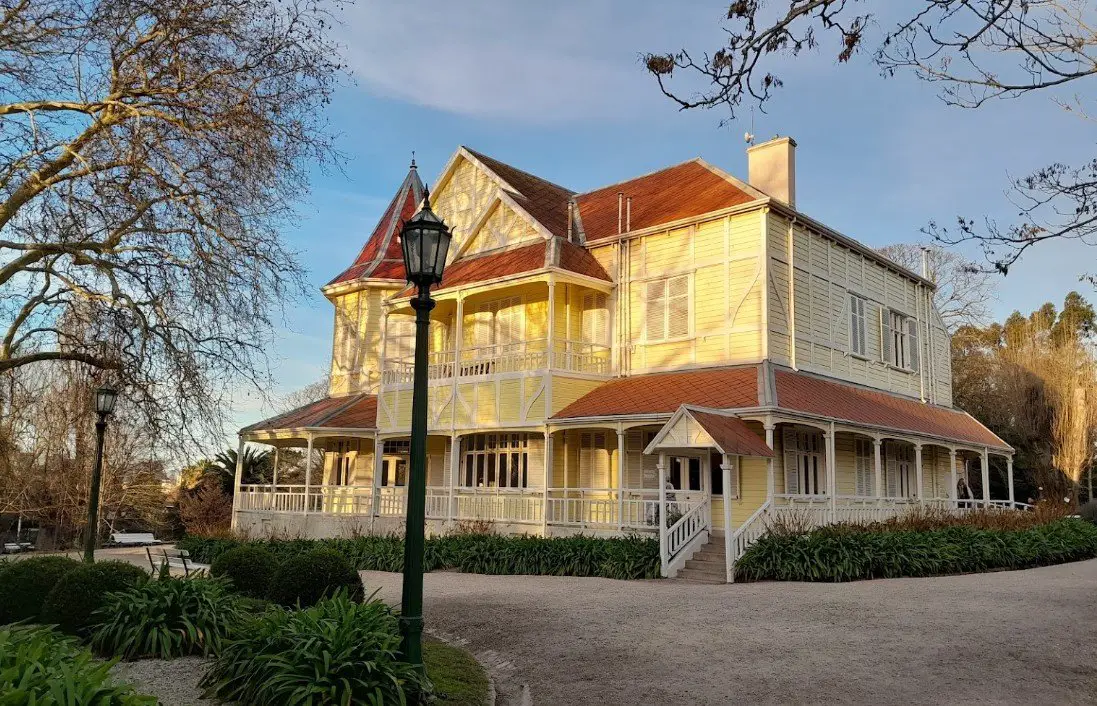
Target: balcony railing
(524, 356)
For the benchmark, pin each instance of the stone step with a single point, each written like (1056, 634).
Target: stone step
(698, 576)
(702, 560)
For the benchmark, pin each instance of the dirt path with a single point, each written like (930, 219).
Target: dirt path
(1010, 637)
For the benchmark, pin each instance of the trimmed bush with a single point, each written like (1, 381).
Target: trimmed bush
(338, 651)
(250, 568)
(630, 557)
(845, 553)
(1088, 511)
(41, 666)
(25, 584)
(83, 590)
(166, 619)
(307, 578)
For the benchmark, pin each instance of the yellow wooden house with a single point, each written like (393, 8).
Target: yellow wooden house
(683, 354)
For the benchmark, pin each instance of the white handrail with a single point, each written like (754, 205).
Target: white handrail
(748, 533)
(695, 520)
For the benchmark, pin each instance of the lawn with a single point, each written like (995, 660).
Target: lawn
(458, 678)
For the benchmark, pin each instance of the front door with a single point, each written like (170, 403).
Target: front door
(685, 473)
(394, 471)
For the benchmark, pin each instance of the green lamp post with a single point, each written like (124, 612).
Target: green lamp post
(105, 398)
(425, 240)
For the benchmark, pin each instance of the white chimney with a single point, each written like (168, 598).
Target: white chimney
(771, 168)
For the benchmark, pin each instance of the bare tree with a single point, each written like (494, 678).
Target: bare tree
(975, 51)
(964, 293)
(150, 153)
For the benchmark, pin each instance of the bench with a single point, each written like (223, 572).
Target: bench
(174, 558)
(133, 539)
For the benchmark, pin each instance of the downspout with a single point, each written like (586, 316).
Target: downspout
(792, 294)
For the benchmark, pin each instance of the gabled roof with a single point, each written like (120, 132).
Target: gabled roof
(730, 434)
(353, 412)
(546, 202)
(688, 189)
(381, 256)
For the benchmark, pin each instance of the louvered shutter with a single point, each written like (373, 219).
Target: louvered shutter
(586, 459)
(865, 470)
(600, 458)
(912, 344)
(886, 343)
(655, 310)
(678, 307)
(891, 467)
(594, 318)
(792, 471)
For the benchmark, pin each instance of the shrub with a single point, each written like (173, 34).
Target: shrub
(41, 666)
(307, 578)
(83, 590)
(166, 619)
(848, 553)
(204, 550)
(1088, 511)
(249, 567)
(25, 584)
(338, 651)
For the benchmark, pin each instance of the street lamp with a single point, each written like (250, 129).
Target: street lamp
(105, 398)
(425, 239)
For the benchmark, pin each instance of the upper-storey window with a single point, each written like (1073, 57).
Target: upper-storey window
(899, 334)
(666, 312)
(857, 343)
(595, 317)
(499, 325)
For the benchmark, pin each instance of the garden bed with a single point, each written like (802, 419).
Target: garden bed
(892, 550)
(631, 557)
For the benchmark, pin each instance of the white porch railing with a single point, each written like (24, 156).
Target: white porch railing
(583, 357)
(504, 358)
(402, 370)
(695, 519)
(748, 533)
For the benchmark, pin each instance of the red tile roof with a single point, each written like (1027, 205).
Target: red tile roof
(381, 257)
(731, 434)
(354, 412)
(546, 202)
(722, 388)
(685, 190)
(576, 258)
(806, 393)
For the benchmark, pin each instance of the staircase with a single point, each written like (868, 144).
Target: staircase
(707, 565)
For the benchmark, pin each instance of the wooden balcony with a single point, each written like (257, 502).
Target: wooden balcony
(484, 361)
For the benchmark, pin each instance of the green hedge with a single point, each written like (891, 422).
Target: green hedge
(83, 590)
(250, 568)
(841, 553)
(306, 579)
(630, 557)
(24, 585)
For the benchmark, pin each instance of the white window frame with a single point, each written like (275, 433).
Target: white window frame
(485, 458)
(806, 449)
(902, 339)
(858, 325)
(664, 302)
(864, 465)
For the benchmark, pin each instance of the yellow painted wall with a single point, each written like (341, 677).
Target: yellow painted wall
(356, 349)
(461, 200)
(503, 227)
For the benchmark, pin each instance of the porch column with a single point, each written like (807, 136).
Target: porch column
(1009, 477)
(547, 483)
(454, 471)
(663, 558)
(878, 478)
(984, 466)
(952, 477)
(378, 466)
(621, 477)
(725, 468)
(918, 467)
(308, 471)
(551, 343)
(771, 481)
(832, 470)
(236, 480)
(274, 472)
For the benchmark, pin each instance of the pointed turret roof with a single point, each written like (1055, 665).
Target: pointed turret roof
(381, 256)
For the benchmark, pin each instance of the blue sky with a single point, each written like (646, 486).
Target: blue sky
(557, 89)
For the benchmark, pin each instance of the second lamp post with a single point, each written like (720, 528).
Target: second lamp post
(425, 240)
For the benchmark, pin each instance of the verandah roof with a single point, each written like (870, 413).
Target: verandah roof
(351, 412)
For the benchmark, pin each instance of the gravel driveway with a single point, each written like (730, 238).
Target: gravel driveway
(1009, 637)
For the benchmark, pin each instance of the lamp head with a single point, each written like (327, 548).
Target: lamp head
(105, 397)
(425, 240)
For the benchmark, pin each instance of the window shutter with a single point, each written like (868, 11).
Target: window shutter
(678, 307)
(792, 475)
(655, 311)
(865, 468)
(586, 459)
(594, 318)
(912, 344)
(600, 457)
(886, 343)
(892, 472)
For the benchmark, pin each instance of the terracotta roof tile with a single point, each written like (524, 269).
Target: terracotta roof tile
(681, 191)
(354, 412)
(576, 258)
(545, 201)
(806, 393)
(479, 268)
(381, 257)
(722, 388)
(732, 434)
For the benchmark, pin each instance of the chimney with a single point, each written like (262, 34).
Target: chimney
(771, 168)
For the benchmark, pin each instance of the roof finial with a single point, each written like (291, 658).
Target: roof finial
(426, 195)
(413, 159)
